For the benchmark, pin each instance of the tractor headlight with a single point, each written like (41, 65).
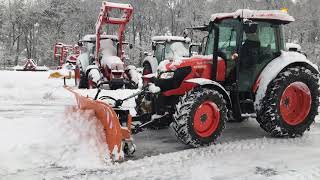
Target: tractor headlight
(166, 75)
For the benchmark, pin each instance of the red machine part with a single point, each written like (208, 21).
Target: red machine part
(206, 119)
(201, 68)
(104, 18)
(295, 103)
(62, 50)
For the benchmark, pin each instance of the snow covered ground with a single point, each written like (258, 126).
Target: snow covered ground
(38, 140)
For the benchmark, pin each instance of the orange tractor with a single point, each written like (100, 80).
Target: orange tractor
(242, 71)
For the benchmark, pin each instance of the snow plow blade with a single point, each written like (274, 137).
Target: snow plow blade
(60, 75)
(116, 136)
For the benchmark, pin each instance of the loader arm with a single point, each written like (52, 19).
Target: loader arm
(105, 18)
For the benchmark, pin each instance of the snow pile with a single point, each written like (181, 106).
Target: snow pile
(28, 87)
(34, 130)
(68, 142)
(109, 55)
(39, 141)
(136, 77)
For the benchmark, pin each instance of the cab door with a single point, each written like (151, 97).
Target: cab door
(256, 51)
(227, 46)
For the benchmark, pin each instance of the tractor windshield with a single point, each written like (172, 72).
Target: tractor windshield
(176, 50)
(227, 38)
(108, 47)
(159, 51)
(171, 50)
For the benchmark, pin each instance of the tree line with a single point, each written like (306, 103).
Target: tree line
(30, 28)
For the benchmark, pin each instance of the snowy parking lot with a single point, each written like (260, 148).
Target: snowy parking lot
(39, 140)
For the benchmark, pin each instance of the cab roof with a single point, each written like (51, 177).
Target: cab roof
(92, 37)
(276, 15)
(171, 38)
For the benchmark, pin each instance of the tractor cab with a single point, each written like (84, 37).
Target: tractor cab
(238, 47)
(165, 48)
(247, 41)
(242, 44)
(88, 44)
(170, 47)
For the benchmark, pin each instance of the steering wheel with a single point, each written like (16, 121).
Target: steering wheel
(222, 54)
(118, 102)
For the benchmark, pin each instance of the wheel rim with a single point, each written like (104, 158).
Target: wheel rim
(295, 103)
(206, 119)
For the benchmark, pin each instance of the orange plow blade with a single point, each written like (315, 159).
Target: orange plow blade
(115, 134)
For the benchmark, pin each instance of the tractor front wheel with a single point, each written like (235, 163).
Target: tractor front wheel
(200, 117)
(290, 104)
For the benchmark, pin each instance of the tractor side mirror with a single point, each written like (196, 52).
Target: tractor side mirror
(250, 27)
(195, 49)
(80, 44)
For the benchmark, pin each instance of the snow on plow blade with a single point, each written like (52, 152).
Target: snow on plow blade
(114, 133)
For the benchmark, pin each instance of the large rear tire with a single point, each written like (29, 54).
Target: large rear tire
(290, 104)
(200, 117)
(83, 82)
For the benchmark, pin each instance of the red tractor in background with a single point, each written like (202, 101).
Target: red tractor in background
(64, 53)
(108, 66)
(66, 56)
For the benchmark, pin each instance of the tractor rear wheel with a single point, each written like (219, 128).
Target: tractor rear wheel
(83, 82)
(200, 117)
(290, 104)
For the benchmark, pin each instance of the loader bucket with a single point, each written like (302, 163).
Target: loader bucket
(114, 133)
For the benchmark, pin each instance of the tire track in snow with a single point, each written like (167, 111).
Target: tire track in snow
(176, 159)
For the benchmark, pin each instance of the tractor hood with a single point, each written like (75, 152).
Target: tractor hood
(172, 65)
